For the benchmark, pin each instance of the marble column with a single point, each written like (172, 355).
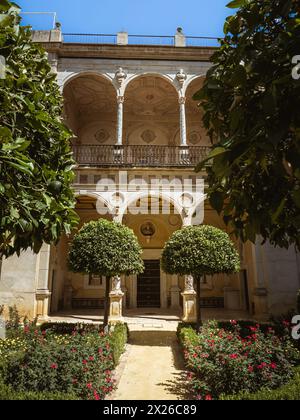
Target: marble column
(189, 300)
(120, 100)
(116, 301)
(42, 293)
(183, 135)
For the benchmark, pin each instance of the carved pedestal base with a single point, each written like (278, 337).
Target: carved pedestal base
(189, 306)
(42, 305)
(116, 302)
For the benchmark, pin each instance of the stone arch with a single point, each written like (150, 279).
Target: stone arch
(90, 100)
(136, 76)
(151, 110)
(196, 133)
(133, 198)
(73, 76)
(99, 201)
(191, 80)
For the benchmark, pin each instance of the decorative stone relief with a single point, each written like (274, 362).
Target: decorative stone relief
(148, 136)
(102, 136)
(120, 76)
(195, 137)
(116, 285)
(181, 77)
(189, 284)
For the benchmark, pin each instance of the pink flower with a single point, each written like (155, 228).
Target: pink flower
(250, 369)
(208, 398)
(273, 366)
(233, 322)
(91, 358)
(89, 386)
(54, 366)
(84, 362)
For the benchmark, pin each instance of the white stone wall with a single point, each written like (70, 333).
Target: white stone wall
(277, 278)
(18, 283)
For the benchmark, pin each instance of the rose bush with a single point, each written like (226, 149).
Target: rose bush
(79, 364)
(221, 361)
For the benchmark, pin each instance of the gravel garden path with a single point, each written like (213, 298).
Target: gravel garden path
(152, 367)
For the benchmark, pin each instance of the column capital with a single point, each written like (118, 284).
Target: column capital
(182, 100)
(120, 99)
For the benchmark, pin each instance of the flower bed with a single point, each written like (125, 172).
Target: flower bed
(229, 361)
(79, 364)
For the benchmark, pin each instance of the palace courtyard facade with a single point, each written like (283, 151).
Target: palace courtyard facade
(129, 102)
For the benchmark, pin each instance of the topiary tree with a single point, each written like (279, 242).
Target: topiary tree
(36, 199)
(251, 100)
(199, 251)
(106, 249)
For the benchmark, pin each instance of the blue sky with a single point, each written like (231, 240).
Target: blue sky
(140, 17)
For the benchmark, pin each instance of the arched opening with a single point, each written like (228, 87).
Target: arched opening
(196, 133)
(151, 112)
(75, 291)
(153, 227)
(91, 109)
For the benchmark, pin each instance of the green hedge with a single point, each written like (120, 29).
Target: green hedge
(119, 338)
(289, 392)
(8, 394)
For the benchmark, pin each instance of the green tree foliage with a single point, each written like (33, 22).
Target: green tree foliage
(198, 251)
(107, 249)
(251, 100)
(36, 199)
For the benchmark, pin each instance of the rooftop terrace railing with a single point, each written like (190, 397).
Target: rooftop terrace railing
(90, 39)
(153, 40)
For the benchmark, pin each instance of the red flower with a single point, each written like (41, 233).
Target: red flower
(54, 366)
(91, 358)
(250, 369)
(233, 356)
(96, 396)
(89, 386)
(233, 322)
(253, 329)
(273, 366)
(84, 362)
(208, 398)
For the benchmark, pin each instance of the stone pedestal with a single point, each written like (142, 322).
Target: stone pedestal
(189, 301)
(116, 302)
(42, 305)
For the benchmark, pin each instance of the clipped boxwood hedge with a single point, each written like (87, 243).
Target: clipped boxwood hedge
(289, 392)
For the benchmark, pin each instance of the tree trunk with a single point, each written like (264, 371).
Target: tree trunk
(106, 302)
(199, 320)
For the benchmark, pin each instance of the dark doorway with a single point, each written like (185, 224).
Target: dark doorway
(148, 285)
